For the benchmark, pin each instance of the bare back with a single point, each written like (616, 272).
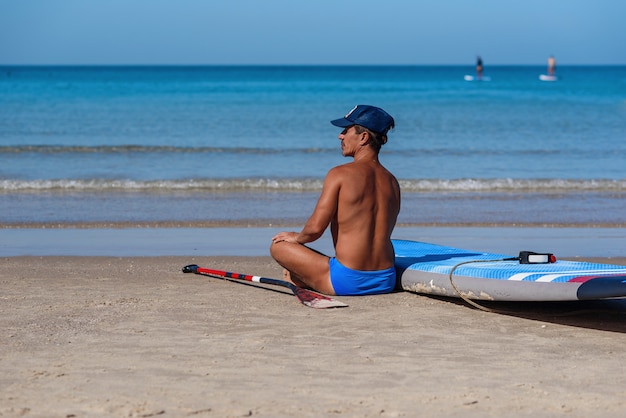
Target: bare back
(368, 204)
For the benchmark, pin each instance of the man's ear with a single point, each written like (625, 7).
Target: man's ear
(365, 138)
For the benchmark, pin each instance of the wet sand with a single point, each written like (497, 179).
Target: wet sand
(135, 337)
(244, 240)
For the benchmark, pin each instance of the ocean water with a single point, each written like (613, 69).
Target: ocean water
(249, 145)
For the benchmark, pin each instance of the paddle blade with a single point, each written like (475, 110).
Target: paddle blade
(315, 300)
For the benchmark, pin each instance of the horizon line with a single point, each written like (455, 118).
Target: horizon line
(291, 65)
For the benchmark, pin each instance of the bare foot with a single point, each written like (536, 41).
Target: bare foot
(292, 278)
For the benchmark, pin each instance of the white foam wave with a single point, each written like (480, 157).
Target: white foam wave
(159, 185)
(301, 185)
(512, 185)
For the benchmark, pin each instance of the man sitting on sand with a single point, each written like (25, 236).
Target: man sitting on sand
(360, 201)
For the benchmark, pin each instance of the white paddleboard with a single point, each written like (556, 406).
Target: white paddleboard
(468, 77)
(546, 77)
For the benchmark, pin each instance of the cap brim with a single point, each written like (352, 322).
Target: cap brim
(342, 123)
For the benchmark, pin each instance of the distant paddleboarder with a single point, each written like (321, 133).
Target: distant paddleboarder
(551, 75)
(479, 72)
(479, 67)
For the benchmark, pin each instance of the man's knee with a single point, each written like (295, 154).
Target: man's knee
(276, 250)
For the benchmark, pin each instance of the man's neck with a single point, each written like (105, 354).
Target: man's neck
(365, 154)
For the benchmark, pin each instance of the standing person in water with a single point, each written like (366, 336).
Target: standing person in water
(360, 201)
(551, 65)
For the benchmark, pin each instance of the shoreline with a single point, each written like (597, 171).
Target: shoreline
(565, 242)
(256, 223)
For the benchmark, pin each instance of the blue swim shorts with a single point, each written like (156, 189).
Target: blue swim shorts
(348, 282)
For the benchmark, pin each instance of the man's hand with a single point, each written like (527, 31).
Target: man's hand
(286, 237)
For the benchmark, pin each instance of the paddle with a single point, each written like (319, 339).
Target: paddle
(307, 297)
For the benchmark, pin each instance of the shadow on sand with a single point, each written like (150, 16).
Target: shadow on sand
(604, 315)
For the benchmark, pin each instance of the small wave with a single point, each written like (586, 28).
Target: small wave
(146, 149)
(74, 185)
(512, 185)
(171, 149)
(303, 185)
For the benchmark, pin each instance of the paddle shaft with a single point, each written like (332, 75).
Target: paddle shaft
(307, 297)
(248, 277)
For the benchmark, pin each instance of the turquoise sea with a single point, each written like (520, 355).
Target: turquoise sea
(245, 145)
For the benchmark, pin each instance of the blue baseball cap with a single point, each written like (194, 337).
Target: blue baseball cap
(373, 118)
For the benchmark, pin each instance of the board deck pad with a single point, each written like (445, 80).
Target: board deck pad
(425, 268)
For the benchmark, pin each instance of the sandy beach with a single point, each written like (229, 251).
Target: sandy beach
(135, 337)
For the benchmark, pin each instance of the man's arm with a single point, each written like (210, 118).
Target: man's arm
(322, 215)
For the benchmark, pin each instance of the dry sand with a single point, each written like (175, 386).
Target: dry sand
(135, 337)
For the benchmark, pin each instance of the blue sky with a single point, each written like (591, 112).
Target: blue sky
(311, 32)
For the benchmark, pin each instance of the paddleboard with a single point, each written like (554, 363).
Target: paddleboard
(425, 268)
(546, 77)
(474, 78)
